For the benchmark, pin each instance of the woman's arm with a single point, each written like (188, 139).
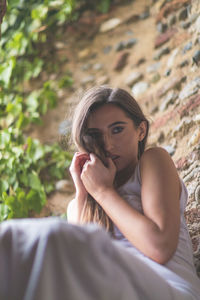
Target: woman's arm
(75, 207)
(156, 232)
(74, 211)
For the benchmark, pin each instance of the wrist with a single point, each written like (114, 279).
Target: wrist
(80, 197)
(104, 194)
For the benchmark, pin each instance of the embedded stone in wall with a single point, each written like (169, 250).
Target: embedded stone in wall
(181, 163)
(88, 79)
(165, 37)
(107, 49)
(161, 52)
(190, 105)
(103, 80)
(119, 46)
(153, 68)
(195, 138)
(64, 127)
(156, 77)
(183, 14)
(173, 83)
(187, 47)
(86, 67)
(97, 66)
(197, 194)
(130, 43)
(109, 25)
(125, 44)
(171, 7)
(190, 89)
(121, 61)
(196, 57)
(170, 149)
(172, 57)
(197, 25)
(133, 78)
(161, 27)
(139, 88)
(183, 127)
(64, 186)
(169, 99)
(184, 63)
(172, 20)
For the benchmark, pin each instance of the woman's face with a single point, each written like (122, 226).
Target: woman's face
(119, 134)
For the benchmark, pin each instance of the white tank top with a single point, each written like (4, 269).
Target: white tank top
(182, 261)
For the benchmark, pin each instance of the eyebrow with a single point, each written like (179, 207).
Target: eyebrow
(109, 126)
(116, 123)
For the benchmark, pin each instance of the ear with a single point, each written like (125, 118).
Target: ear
(142, 130)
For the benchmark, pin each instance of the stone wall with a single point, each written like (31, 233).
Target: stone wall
(151, 48)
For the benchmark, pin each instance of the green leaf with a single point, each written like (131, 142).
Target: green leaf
(14, 108)
(22, 121)
(32, 101)
(103, 6)
(34, 149)
(4, 212)
(40, 12)
(65, 82)
(6, 70)
(36, 200)
(3, 186)
(4, 138)
(34, 181)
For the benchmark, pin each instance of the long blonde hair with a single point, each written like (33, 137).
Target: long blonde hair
(91, 101)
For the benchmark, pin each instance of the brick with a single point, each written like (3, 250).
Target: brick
(121, 61)
(173, 83)
(190, 105)
(161, 121)
(164, 37)
(181, 163)
(193, 102)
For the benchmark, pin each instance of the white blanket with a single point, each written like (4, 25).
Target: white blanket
(49, 259)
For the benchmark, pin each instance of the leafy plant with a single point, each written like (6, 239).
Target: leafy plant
(28, 169)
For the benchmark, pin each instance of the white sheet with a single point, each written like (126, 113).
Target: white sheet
(49, 259)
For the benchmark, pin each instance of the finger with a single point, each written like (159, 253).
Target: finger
(111, 164)
(79, 159)
(82, 161)
(93, 157)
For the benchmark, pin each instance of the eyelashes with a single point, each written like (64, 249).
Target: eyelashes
(117, 129)
(95, 134)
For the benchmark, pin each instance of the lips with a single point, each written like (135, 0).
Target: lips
(114, 157)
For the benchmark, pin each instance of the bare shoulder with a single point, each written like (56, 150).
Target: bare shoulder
(157, 161)
(156, 156)
(157, 152)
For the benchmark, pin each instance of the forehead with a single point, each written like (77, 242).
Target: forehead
(105, 115)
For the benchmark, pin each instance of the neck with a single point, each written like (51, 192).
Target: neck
(124, 175)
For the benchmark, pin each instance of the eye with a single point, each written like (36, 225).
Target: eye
(117, 129)
(95, 134)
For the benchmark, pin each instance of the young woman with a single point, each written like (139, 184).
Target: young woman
(132, 193)
(138, 191)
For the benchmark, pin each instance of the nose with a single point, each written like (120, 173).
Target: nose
(108, 143)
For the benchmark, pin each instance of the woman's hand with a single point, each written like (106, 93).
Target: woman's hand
(96, 177)
(76, 167)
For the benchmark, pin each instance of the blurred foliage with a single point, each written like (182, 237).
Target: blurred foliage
(100, 6)
(28, 169)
